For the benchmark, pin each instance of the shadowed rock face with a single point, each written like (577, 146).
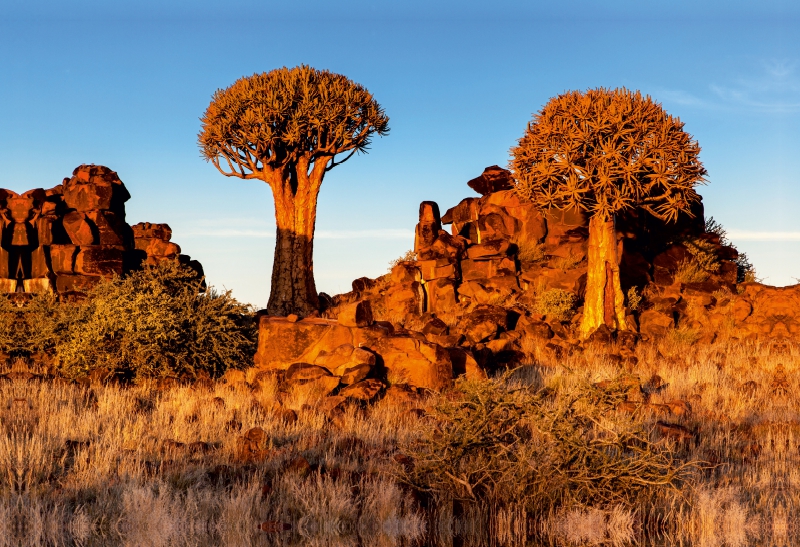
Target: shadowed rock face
(69, 237)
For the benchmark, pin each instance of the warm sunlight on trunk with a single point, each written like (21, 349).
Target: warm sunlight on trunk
(604, 303)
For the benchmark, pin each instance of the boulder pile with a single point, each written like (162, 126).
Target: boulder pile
(67, 238)
(507, 276)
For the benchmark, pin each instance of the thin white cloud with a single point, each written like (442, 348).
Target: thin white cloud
(385, 233)
(749, 99)
(774, 86)
(748, 235)
(680, 97)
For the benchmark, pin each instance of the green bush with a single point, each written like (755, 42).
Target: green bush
(498, 443)
(157, 322)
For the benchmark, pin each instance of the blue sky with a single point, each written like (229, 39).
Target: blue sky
(123, 84)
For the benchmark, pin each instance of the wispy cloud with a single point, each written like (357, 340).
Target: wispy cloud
(384, 233)
(680, 97)
(773, 86)
(747, 235)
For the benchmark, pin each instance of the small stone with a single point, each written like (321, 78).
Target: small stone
(365, 390)
(305, 371)
(299, 466)
(355, 374)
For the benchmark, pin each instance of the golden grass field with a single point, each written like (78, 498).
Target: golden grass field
(110, 465)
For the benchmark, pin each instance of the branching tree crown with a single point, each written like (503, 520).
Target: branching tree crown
(603, 151)
(296, 118)
(286, 128)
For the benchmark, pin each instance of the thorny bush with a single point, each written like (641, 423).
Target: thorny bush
(496, 442)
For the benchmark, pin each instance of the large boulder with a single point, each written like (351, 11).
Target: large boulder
(328, 344)
(409, 360)
(493, 179)
(653, 323)
(356, 314)
(62, 258)
(282, 342)
(78, 228)
(99, 260)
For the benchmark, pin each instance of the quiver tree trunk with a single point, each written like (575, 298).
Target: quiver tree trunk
(293, 288)
(604, 303)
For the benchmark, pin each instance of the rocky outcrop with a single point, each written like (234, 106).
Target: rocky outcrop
(508, 276)
(69, 237)
(353, 353)
(506, 283)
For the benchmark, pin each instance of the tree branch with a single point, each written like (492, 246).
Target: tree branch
(334, 163)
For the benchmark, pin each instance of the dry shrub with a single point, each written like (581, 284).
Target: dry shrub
(634, 299)
(493, 444)
(566, 262)
(557, 304)
(529, 251)
(745, 271)
(408, 256)
(156, 322)
(704, 252)
(690, 271)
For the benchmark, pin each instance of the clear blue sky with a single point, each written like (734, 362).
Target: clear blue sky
(124, 83)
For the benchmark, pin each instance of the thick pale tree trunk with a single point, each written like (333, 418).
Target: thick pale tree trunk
(604, 303)
(293, 288)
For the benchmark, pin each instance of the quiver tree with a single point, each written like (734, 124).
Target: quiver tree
(286, 128)
(602, 152)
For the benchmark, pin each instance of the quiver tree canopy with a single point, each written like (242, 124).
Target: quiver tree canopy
(287, 127)
(604, 151)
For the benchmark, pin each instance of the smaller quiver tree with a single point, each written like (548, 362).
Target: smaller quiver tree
(286, 127)
(604, 151)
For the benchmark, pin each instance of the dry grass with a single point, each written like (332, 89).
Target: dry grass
(98, 465)
(690, 271)
(83, 463)
(529, 251)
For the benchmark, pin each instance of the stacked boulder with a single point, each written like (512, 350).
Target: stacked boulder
(66, 239)
(508, 278)
(477, 289)
(346, 354)
(154, 241)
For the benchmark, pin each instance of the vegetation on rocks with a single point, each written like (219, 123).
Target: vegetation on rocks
(556, 304)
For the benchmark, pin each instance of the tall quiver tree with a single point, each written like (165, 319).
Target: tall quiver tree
(286, 127)
(602, 152)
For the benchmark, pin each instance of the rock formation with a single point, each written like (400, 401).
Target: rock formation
(507, 275)
(67, 238)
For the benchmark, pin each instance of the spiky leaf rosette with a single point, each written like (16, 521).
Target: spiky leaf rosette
(603, 151)
(288, 116)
